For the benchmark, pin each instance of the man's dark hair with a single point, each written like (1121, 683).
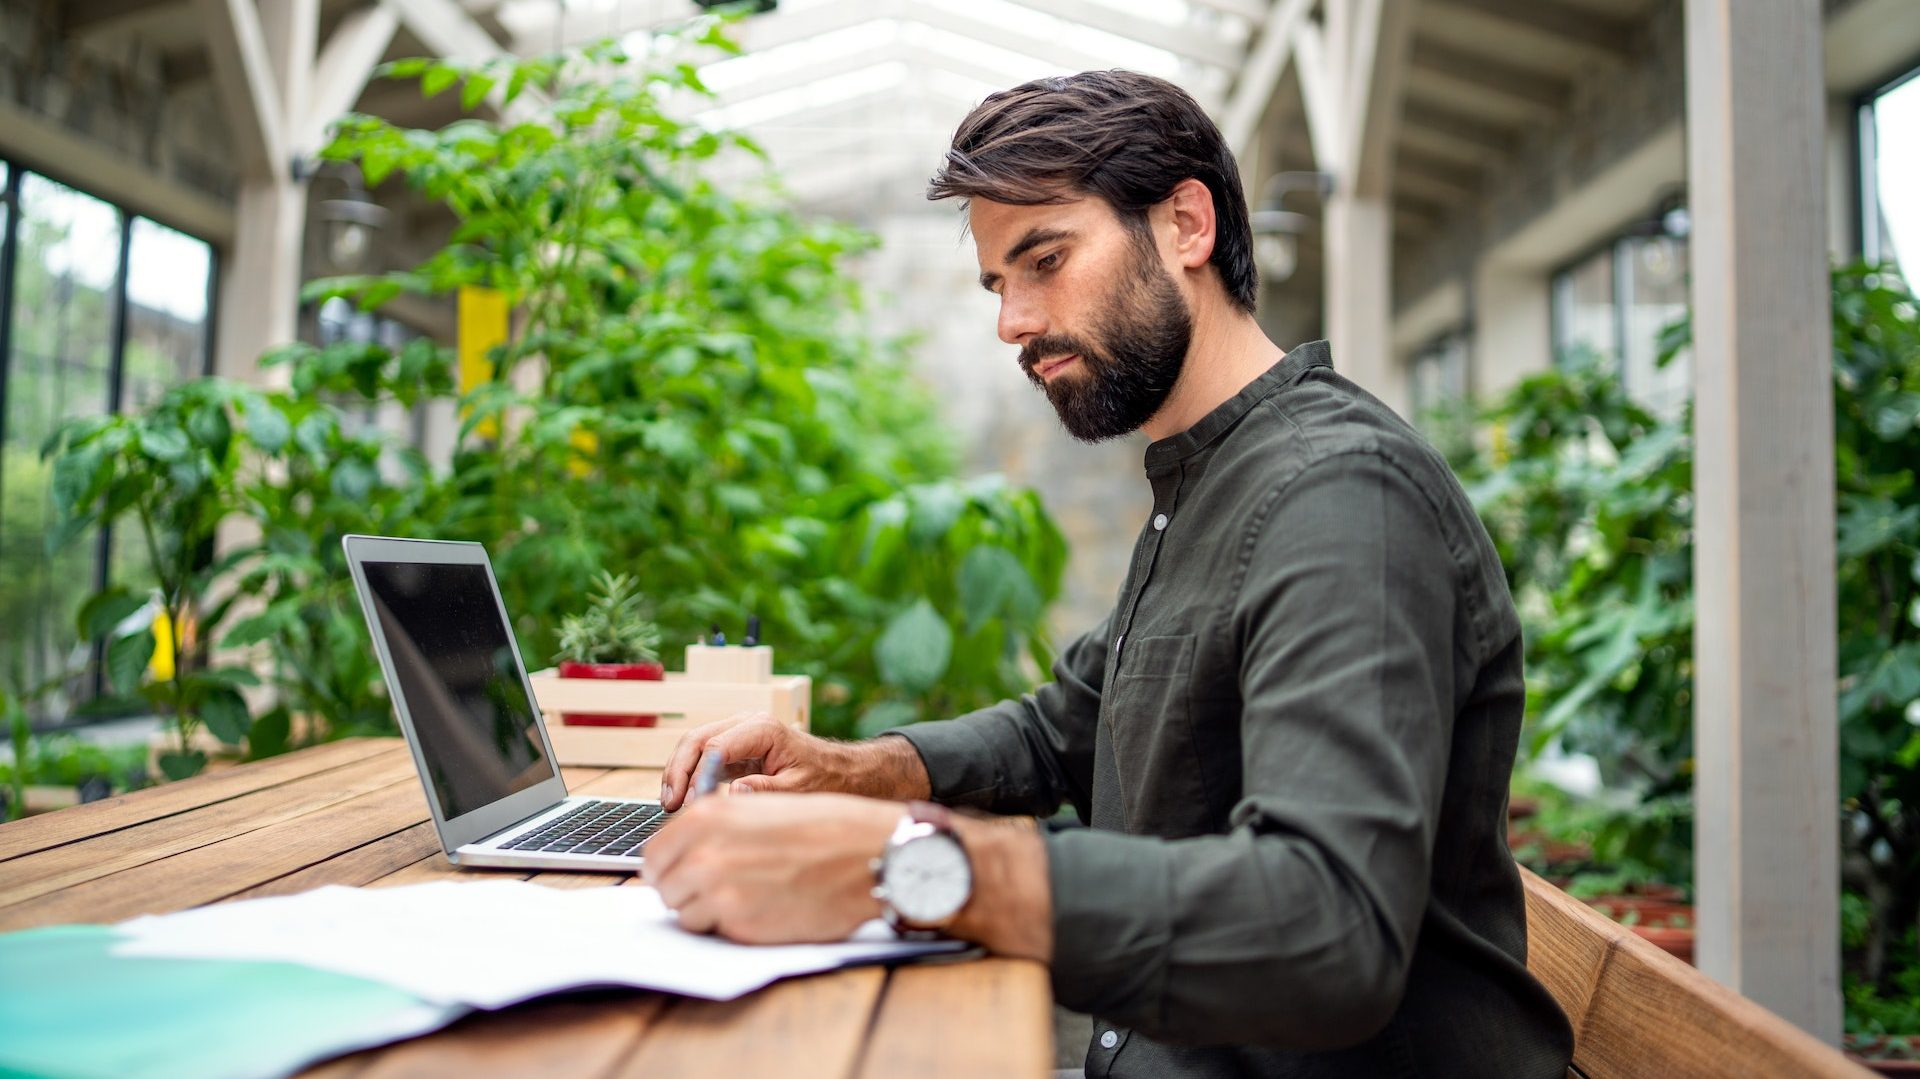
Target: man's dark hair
(1126, 137)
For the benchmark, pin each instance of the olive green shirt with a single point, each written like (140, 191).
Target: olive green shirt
(1292, 739)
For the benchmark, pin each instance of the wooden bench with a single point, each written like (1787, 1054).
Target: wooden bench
(1637, 1011)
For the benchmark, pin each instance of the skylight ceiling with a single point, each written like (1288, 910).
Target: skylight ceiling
(869, 88)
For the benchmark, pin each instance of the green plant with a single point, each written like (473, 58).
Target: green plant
(66, 761)
(168, 472)
(1590, 501)
(611, 627)
(689, 397)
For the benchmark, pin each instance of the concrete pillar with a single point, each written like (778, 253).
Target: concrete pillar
(1359, 269)
(1512, 324)
(1766, 790)
(260, 272)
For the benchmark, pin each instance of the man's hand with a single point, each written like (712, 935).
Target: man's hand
(786, 868)
(793, 760)
(774, 868)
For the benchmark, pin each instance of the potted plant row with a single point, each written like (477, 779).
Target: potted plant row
(610, 638)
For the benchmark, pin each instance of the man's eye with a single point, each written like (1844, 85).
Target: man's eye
(1048, 262)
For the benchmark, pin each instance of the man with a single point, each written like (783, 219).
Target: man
(1292, 737)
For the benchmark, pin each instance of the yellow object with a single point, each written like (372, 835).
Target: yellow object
(483, 326)
(585, 445)
(161, 665)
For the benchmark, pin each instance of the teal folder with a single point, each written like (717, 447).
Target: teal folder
(69, 1008)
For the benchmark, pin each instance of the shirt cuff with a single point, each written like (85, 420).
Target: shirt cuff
(960, 764)
(1112, 922)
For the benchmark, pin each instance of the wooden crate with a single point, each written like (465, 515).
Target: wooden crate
(681, 703)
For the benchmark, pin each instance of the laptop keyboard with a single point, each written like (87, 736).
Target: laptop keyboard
(609, 828)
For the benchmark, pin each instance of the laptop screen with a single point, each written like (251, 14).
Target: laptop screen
(453, 661)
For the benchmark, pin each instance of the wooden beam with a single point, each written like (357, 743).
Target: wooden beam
(1575, 26)
(1491, 75)
(243, 72)
(1260, 75)
(342, 72)
(1766, 799)
(1251, 10)
(447, 30)
(1472, 131)
(1319, 96)
(32, 140)
(1376, 37)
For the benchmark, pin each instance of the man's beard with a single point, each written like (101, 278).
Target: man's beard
(1139, 345)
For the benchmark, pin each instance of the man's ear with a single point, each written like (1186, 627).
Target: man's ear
(1190, 209)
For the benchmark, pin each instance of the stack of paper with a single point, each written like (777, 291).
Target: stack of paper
(266, 986)
(493, 943)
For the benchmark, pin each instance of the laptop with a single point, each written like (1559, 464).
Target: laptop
(478, 740)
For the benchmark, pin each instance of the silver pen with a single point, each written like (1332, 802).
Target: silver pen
(713, 769)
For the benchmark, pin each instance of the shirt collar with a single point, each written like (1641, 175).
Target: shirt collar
(1175, 448)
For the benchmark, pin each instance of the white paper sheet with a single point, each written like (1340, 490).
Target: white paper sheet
(490, 944)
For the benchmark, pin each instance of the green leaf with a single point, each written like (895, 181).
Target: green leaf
(104, 612)
(354, 479)
(475, 91)
(885, 716)
(224, 712)
(164, 444)
(912, 653)
(269, 734)
(438, 78)
(127, 659)
(177, 766)
(993, 584)
(266, 425)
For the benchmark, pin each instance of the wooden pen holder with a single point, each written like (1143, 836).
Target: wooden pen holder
(719, 682)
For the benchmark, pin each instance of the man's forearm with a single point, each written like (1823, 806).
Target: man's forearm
(883, 767)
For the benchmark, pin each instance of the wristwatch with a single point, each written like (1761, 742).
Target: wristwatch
(924, 877)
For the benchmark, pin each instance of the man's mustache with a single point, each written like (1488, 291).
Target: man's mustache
(1041, 349)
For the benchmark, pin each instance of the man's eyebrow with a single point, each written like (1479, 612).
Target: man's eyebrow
(1033, 238)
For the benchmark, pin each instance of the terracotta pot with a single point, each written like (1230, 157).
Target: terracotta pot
(1553, 852)
(625, 672)
(1884, 1055)
(1521, 808)
(1665, 924)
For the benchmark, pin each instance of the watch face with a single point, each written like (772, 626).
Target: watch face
(928, 879)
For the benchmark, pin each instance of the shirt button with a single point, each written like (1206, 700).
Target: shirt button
(1159, 522)
(1109, 1040)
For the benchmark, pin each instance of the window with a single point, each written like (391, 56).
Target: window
(102, 311)
(1618, 300)
(1890, 175)
(1438, 377)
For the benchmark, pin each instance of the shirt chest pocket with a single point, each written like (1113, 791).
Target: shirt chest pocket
(1149, 716)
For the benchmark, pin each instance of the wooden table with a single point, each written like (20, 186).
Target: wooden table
(352, 812)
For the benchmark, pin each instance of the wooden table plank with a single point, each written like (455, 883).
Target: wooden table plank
(48, 871)
(216, 870)
(95, 819)
(582, 1034)
(803, 1028)
(931, 1021)
(357, 816)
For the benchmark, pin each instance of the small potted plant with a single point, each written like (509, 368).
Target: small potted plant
(610, 638)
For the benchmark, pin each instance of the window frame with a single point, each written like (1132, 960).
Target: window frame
(1868, 242)
(10, 194)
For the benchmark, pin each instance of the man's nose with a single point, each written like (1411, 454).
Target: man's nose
(1020, 319)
